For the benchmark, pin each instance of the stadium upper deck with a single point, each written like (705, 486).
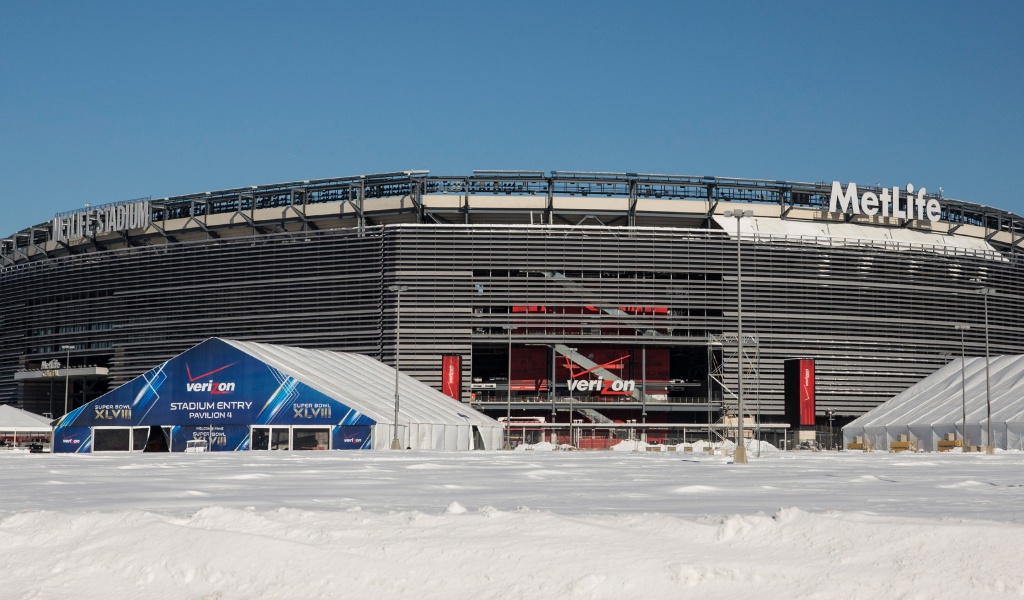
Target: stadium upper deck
(486, 197)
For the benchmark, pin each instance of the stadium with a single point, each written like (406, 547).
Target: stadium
(600, 297)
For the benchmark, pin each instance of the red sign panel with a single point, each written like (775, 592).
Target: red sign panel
(807, 392)
(451, 375)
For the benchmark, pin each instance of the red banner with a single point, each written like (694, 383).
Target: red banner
(451, 375)
(807, 392)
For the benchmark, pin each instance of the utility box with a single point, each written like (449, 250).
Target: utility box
(903, 444)
(947, 445)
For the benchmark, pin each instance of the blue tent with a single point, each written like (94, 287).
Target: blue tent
(250, 396)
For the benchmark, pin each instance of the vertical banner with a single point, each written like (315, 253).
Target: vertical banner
(451, 375)
(800, 399)
(806, 393)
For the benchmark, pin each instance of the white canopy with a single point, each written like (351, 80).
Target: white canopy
(15, 419)
(427, 419)
(846, 234)
(934, 407)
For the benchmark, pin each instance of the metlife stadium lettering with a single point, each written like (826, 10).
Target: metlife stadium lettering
(885, 204)
(100, 220)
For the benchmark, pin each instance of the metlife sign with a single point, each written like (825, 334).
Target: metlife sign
(101, 220)
(885, 204)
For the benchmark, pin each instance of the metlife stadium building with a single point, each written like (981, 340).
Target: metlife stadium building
(625, 290)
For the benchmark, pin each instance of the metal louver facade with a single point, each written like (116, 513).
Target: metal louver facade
(875, 318)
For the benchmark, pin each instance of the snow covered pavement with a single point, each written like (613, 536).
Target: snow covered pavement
(511, 525)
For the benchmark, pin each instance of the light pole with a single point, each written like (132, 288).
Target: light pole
(67, 374)
(962, 328)
(830, 413)
(740, 456)
(552, 389)
(757, 392)
(397, 289)
(572, 440)
(990, 449)
(643, 392)
(508, 397)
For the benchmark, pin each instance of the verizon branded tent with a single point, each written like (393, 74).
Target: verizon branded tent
(250, 396)
(934, 407)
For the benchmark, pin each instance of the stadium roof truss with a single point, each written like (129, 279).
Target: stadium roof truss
(356, 196)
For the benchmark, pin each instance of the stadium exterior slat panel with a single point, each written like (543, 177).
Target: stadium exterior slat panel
(274, 265)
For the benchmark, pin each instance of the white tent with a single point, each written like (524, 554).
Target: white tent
(20, 424)
(934, 407)
(427, 419)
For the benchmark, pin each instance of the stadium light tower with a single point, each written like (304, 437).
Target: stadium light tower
(962, 328)
(67, 374)
(990, 449)
(508, 397)
(397, 289)
(740, 456)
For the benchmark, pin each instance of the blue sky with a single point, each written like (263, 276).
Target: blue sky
(108, 101)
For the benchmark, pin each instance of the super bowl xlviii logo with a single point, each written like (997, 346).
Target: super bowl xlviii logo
(215, 439)
(109, 412)
(210, 386)
(311, 411)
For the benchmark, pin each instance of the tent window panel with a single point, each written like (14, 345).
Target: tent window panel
(260, 438)
(310, 439)
(279, 438)
(140, 436)
(112, 440)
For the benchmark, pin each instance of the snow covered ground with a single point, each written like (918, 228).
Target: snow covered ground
(537, 524)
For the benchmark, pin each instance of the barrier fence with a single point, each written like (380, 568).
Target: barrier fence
(603, 436)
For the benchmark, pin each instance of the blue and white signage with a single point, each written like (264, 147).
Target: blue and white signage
(214, 387)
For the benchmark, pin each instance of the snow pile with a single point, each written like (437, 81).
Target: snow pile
(544, 446)
(752, 446)
(287, 553)
(629, 446)
(728, 446)
(725, 447)
(511, 524)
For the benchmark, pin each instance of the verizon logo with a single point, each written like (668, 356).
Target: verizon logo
(210, 386)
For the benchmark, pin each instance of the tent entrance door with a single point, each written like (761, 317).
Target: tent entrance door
(270, 438)
(311, 438)
(120, 439)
